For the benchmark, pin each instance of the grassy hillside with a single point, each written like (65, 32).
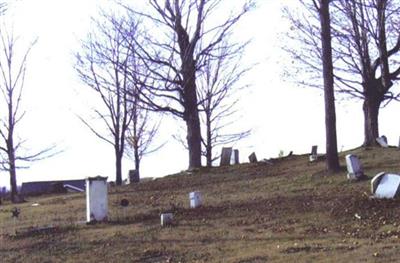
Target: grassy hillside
(288, 211)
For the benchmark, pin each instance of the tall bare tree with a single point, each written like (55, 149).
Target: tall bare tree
(102, 65)
(173, 56)
(12, 81)
(332, 159)
(218, 84)
(365, 44)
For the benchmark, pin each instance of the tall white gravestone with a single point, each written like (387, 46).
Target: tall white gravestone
(96, 199)
(354, 168)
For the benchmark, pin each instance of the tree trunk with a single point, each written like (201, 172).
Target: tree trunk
(371, 112)
(118, 167)
(194, 140)
(137, 160)
(332, 159)
(191, 115)
(13, 182)
(208, 141)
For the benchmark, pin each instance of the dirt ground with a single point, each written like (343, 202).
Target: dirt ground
(288, 210)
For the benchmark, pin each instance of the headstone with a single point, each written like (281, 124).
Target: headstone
(354, 167)
(382, 141)
(253, 158)
(96, 199)
(166, 219)
(385, 185)
(236, 156)
(314, 154)
(226, 154)
(195, 199)
(399, 143)
(133, 176)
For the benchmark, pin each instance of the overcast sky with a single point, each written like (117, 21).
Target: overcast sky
(282, 116)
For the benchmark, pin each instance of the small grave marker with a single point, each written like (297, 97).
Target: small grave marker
(253, 158)
(166, 219)
(226, 154)
(96, 199)
(382, 141)
(314, 154)
(385, 185)
(195, 199)
(354, 167)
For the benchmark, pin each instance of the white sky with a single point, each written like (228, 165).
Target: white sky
(282, 115)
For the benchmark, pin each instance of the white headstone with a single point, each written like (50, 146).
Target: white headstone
(195, 199)
(354, 168)
(166, 219)
(385, 185)
(96, 199)
(382, 141)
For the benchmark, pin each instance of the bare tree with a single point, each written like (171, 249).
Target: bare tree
(365, 44)
(102, 65)
(173, 56)
(13, 69)
(332, 159)
(142, 130)
(218, 83)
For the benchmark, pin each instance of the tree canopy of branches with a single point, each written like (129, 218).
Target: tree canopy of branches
(217, 85)
(173, 55)
(365, 45)
(103, 65)
(13, 68)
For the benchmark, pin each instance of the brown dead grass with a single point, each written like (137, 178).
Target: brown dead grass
(290, 211)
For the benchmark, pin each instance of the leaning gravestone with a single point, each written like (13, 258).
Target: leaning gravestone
(253, 158)
(96, 199)
(314, 154)
(382, 141)
(133, 176)
(385, 185)
(354, 167)
(226, 154)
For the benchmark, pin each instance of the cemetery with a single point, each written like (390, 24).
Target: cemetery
(289, 210)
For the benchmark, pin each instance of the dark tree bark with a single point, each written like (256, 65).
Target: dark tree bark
(366, 45)
(176, 60)
(332, 159)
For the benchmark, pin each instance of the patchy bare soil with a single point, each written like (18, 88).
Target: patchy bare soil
(288, 211)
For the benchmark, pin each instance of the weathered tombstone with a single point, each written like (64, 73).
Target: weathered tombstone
(382, 141)
(195, 199)
(385, 185)
(133, 176)
(166, 219)
(253, 158)
(399, 143)
(236, 156)
(96, 199)
(226, 154)
(354, 167)
(314, 154)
